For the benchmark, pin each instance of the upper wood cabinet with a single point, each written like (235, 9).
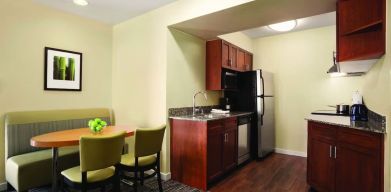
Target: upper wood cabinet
(361, 26)
(248, 62)
(221, 54)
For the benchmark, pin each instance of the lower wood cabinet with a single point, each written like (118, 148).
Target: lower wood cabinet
(343, 159)
(222, 147)
(203, 151)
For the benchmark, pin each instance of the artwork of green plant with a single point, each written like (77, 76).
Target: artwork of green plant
(96, 125)
(56, 67)
(63, 68)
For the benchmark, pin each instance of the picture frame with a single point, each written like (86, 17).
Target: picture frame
(63, 70)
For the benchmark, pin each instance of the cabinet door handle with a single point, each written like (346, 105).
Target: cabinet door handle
(330, 151)
(335, 152)
(227, 137)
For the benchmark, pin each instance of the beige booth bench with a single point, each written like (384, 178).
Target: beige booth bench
(29, 167)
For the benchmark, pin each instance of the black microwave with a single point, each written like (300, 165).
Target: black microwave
(229, 80)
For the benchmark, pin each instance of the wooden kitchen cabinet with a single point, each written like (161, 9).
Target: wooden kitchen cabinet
(361, 29)
(233, 58)
(320, 160)
(343, 159)
(221, 55)
(359, 161)
(248, 61)
(230, 144)
(215, 144)
(202, 151)
(241, 60)
(226, 57)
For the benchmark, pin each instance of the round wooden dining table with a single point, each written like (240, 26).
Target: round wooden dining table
(71, 137)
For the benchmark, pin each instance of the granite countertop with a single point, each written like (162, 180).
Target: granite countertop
(372, 125)
(211, 116)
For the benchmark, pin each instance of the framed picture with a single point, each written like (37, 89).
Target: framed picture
(62, 70)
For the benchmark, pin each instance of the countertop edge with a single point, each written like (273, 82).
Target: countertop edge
(234, 114)
(348, 126)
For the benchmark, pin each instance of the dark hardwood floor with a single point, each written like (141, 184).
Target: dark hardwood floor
(276, 173)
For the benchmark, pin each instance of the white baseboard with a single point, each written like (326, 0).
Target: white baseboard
(3, 186)
(290, 152)
(165, 176)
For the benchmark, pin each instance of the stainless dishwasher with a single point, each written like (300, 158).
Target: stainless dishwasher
(244, 132)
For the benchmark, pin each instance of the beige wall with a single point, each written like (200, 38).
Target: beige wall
(299, 61)
(26, 28)
(144, 50)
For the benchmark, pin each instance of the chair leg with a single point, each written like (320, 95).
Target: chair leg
(117, 182)
(142, 178)
(159, 178)
(84, 181)
(135, 181)
(135, 173)
(62, 183)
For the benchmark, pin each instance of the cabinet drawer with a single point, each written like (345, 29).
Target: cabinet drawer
(230, 123)
(319, 130)
(216, 126)
(359, 138)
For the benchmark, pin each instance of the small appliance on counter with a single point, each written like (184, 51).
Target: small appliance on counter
(358, 111)
(225, 104)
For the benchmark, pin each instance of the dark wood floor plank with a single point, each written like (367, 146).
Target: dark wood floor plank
(276, 173)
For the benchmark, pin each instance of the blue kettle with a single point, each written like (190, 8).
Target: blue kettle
(359, 112)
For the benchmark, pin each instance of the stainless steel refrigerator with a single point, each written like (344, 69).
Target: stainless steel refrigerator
(256, 93)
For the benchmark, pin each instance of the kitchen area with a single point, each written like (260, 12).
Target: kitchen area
(278, 93)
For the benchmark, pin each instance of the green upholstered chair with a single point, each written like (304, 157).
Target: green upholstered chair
(99, 158)
(146, 155)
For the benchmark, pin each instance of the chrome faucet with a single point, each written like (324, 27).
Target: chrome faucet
(194, 105)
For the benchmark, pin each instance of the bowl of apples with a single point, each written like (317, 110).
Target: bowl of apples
(96, 125)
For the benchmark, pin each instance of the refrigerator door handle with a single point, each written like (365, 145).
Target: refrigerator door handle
(259, 83)
(260, 108)
(263, 85)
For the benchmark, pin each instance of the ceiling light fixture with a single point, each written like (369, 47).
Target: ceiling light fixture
(283, 26)
(80, 2)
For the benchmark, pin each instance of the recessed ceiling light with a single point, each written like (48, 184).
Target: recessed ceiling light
(80, 2)
(284, 26)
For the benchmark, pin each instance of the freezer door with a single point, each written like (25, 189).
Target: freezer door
(266, 129)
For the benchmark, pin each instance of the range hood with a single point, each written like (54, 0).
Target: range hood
(350, 68)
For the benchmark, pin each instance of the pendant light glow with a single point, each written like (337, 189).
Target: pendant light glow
(80, 2)
(283, 26)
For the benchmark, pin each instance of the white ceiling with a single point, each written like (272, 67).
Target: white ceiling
(107, 11)
(302, 24)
